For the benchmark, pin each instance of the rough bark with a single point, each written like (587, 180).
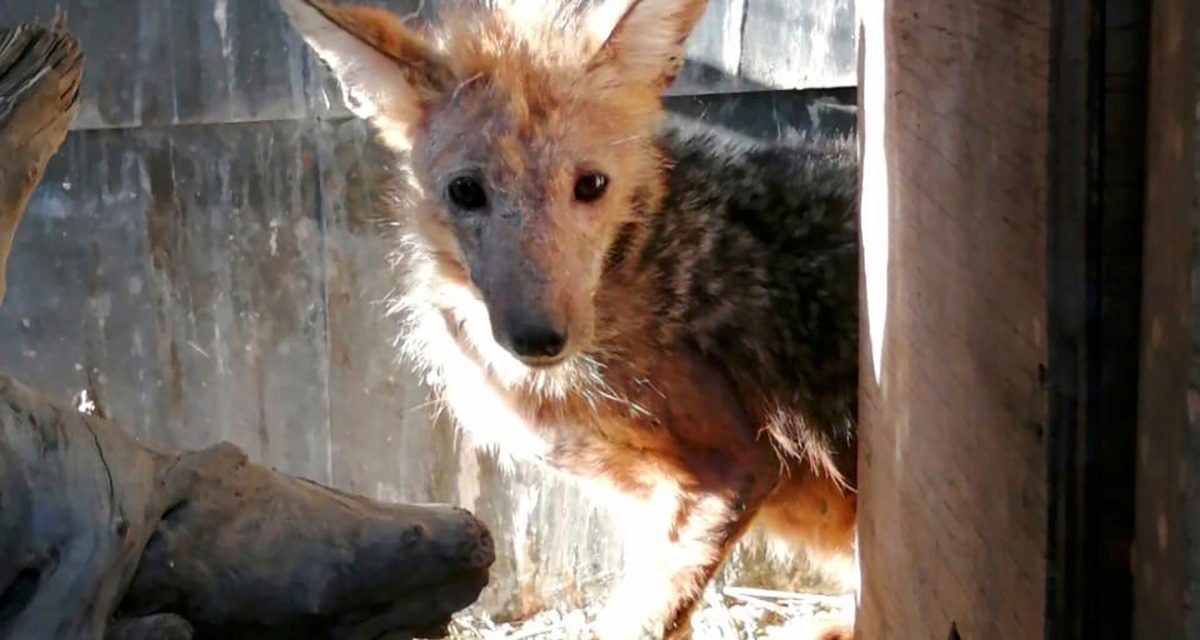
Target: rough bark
(101, 537)
(246, 552)
(90, 519)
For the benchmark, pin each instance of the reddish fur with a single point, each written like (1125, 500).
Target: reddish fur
(697, 435)
(839, 633)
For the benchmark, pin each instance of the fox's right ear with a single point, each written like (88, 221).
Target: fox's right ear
(388, 72)
(647, 42)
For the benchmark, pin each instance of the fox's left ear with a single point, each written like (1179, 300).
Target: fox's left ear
(388, 72)
(646, 45)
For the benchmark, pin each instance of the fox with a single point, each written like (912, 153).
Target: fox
(651, 305)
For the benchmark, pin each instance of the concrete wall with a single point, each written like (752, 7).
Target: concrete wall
(953, 460)
(202, 256)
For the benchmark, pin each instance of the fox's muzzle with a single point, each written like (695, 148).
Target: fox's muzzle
(535, 339)
(529, 319)
(535, 279)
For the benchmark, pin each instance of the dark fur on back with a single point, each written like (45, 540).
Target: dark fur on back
(753, 260)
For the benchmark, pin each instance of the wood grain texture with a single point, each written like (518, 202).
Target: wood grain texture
(952, 457)
(1166, 564)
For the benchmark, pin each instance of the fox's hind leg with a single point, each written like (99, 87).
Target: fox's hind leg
(814, 514)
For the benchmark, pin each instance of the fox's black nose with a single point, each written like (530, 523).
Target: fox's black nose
(538, 341)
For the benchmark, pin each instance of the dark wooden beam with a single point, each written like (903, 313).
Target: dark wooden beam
(1094, 255)
(1166, 568)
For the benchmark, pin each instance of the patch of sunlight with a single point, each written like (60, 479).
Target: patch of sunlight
(874, 200)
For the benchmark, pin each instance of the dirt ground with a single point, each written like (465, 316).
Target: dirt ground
(726, 613)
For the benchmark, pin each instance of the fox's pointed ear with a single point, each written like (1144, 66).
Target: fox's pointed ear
(388, 72)
(646, 43)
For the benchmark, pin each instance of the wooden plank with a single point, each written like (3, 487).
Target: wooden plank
(953, 471)
(1166, 566)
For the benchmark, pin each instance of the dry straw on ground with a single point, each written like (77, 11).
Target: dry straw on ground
(726, 613)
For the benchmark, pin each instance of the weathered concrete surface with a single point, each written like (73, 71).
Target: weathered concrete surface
(219, 61)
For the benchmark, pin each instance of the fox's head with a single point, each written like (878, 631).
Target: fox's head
(531, 142)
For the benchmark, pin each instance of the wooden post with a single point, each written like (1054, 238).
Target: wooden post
(94, 525)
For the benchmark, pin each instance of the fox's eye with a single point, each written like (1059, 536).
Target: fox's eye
(467, 193)
(590, 186)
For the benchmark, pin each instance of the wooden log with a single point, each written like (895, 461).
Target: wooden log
(251, 553)
(80, 500)
(236, 549)
(40, 70)
(195, 544)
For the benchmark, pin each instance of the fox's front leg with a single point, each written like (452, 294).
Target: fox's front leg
(688, 533)
(704, 474)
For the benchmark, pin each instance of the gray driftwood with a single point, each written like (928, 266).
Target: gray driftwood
(102, 537)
